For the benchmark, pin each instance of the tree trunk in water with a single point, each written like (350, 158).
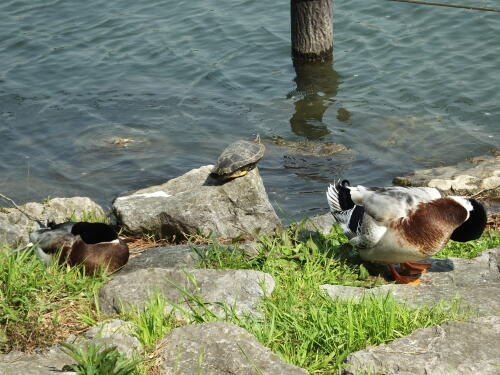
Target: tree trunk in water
(312, 29)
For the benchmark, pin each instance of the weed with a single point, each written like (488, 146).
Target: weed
(152, 322)
(100, 360)
(47, 200)
(90, 216)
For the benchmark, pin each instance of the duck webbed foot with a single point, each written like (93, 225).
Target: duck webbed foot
(415, 268)
(412, 280)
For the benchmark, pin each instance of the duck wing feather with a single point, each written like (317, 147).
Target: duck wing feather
(389, 203)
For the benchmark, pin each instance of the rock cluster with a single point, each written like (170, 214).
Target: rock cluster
(479, 174)
(460, 348)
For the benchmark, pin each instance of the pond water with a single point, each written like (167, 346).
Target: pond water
(102, 97)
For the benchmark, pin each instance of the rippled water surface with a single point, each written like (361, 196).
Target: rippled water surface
(101, 97)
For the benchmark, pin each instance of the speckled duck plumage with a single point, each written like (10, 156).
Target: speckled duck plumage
(399, 224)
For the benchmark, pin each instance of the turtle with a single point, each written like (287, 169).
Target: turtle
(238, 158)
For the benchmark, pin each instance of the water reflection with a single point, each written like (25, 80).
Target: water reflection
(317, 84)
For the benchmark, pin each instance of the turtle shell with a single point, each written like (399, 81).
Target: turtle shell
(238, 156)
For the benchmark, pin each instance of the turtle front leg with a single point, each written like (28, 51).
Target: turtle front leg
(238, 174)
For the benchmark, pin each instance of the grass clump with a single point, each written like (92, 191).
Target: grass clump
(90, 216)
(319, 334)
(471, 249)
(98, 359)
(322, 259)
(152, 322)
(41, 305)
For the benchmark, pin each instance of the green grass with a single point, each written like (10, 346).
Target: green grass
(315, 259)
(100, 360)
(151, 322)
(91, 216)
(471, 249)
(40, 305)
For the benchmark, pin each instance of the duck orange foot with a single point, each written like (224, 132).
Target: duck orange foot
(410, 280)
(414, 267)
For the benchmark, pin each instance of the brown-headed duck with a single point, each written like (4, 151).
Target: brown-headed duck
(94, 245)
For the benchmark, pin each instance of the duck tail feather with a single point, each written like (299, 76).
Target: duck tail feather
(332, 196)
(339, 196)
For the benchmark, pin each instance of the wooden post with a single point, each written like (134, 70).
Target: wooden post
(312, 29)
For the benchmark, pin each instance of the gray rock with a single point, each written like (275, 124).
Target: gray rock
(196, 203)
(40, 362)
(320, 223)
(344, 292)
(110, 328)
(15, 227)
(467, 178)
(218, 349)
(476, 282)
(313, 225)
(248, 247)
(238, 289)
(114, 332)
(180, 256)
(458, 348)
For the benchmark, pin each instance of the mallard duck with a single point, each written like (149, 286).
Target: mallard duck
(94, 245)
(403, 225)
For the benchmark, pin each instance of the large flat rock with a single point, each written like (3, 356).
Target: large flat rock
(179, 256)
(476, 282)
(195, 203)
(219, 349)
(469, 177)
(238, 289)
(458, 348)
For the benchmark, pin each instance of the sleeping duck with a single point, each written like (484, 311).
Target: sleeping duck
(403, 225)
(95, 245)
